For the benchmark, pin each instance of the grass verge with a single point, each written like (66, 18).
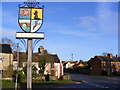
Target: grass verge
(38, 84)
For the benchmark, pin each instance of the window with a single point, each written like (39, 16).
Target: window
(119, 64)
(1, 71)
(2, 59)
(104, 64)
(112, 70)
(104, 69)
(111, 64)
(118, 69)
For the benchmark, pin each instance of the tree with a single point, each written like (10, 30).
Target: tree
(104, 53)
(43, 60)
(14, 45)
(34, 69)
(22, 58)
(25, 69)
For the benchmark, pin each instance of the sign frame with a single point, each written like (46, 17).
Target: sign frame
(30, 18)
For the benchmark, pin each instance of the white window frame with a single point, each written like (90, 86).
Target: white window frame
(111, 64)
(118, 69)
(118, 63)
(112, 70)
(1, 71)
(104, 64)
(105, 69)
(2, 59)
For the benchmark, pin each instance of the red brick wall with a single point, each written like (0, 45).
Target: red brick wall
(114, 66)
(96, 66)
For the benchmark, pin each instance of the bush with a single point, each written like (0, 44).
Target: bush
(114, 73)
(118, 73)
(35, 75)
(25, 70)
(65, 77)
(9, 72)
(80, 70)
(104, 73)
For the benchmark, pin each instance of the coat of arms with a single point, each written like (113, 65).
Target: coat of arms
(30, 19)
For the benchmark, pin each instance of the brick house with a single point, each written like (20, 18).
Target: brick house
(108, 64)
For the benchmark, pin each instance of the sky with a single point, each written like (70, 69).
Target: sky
(84, 29)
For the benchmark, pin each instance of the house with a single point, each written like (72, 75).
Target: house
(78, 65)
(42, 54)
(68, 64)
(108, 64)
(34, 64)
(55, 67)
(6, 56)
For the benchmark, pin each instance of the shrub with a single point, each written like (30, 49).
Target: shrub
(9, 72)
(114, 73)
(104, 73)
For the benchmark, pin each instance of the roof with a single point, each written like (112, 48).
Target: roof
(5, 48)
(78, 65)
(69, 61)
(36, 56)
(55, 58)
(105, 58)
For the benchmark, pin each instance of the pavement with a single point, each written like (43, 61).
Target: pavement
(88, 81)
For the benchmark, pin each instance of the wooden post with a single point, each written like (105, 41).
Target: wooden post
(29, 65)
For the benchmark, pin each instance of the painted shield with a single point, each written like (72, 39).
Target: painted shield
(30, 19)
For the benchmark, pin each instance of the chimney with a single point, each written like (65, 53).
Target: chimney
(110, 55)
(41, 49)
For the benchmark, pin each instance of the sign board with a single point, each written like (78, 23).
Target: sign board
(30, 35)
(30, 19)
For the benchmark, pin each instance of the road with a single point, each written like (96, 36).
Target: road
(94, 82)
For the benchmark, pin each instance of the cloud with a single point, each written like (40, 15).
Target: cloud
(8, 32)
(108, 19)
(53, 10)
(69, 31)
(9, 17)
(87, 22)
(105, 22)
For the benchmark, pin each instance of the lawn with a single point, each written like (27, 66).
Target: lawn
(8, 84)
(37, 84)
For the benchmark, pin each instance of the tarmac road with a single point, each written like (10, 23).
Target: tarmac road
(89, 81)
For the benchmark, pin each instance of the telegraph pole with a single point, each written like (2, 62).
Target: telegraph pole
(72, 56)
(29, 65)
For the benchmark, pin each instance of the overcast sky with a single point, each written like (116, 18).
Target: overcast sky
(85, 29)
